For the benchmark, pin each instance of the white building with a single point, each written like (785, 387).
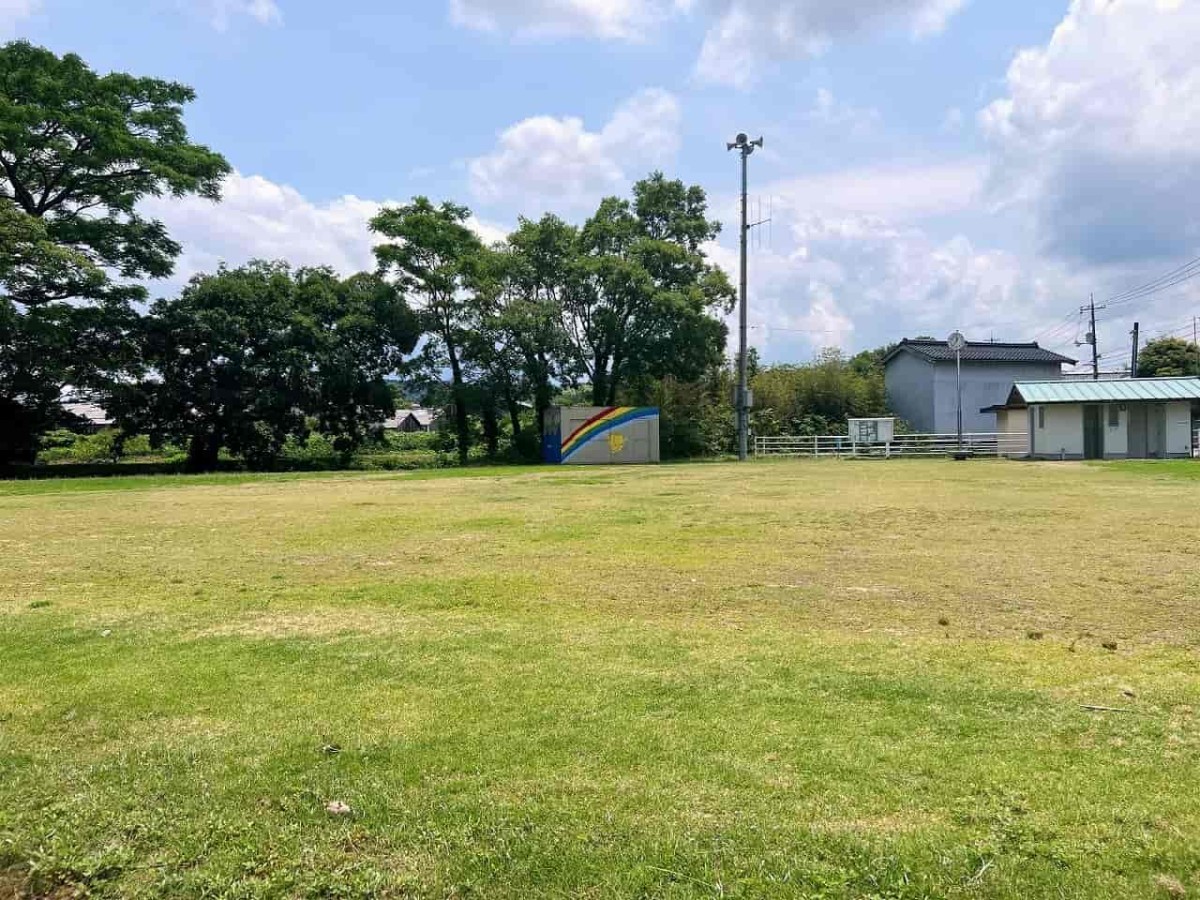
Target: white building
(1136, 418)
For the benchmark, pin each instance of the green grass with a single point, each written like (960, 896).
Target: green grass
(1175, 468)
(791, 679)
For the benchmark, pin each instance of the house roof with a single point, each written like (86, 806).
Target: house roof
(94, 414)
(423, 417)
(1116, 391)
(979, 352)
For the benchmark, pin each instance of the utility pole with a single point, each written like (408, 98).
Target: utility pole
(745, 147)
(1196, 345)
(1133, 364)
(1091, 338)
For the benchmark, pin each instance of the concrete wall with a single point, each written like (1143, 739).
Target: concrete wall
(629, 438)
(1014, 422)
(983, 384)
(1059, 432)
(909, 383)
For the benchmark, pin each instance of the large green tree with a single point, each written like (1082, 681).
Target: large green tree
(1168, 356)
(78, 152)
(523, 315)
(32, 266)
(435, 257)
(246, 358)
(641, 297)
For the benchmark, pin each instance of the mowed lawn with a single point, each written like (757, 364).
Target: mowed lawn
(786, 679)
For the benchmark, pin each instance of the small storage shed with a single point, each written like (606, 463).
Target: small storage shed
(1134, 418)
(593, 435)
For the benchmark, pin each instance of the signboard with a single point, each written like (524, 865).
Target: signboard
(872, 431)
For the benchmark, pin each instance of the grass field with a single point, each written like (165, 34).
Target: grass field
(791, 679)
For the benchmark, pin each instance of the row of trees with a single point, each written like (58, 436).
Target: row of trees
(612, 307)
(624, 308)
(245, 359)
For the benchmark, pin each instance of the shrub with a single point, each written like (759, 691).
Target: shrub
(411, 440)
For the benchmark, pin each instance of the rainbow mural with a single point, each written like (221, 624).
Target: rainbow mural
(603, 423)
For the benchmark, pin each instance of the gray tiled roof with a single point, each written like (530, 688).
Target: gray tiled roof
(980, 351)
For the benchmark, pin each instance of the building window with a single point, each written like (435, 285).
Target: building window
(1041, 417)
(1114, 416)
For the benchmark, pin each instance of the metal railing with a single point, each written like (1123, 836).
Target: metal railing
(841, 445)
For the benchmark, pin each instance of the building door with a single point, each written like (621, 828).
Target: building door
(1156, 430)
(1139, 445)
(1093, 432)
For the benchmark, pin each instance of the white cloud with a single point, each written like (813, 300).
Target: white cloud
(12, 12)
(260, 219)
(853, 262)
(556, 162)
(748, 33)
(1099, 132)
(859, 282)
(740, 35)
(890, 192)
(221, 13)
(607, 19)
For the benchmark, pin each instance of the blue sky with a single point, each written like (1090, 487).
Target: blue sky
(930, 164)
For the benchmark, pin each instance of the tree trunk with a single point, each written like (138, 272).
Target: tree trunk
(491, 428)
(541, 400)
(514, 415)
(611, 398)
(203, 453)
(599, 387)
(462, 424)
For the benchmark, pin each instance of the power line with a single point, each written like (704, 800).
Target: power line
(1177, 276)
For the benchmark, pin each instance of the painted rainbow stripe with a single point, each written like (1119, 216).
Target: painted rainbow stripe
(602, 423)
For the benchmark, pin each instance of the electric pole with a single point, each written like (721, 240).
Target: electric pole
(1133, 364)
(745, 147)
(1091, 338)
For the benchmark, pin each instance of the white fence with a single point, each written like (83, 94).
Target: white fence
(976, 444)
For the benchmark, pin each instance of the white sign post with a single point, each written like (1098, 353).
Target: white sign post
(958, 343)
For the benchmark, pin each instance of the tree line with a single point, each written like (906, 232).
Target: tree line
(249, 360)
(246, 358)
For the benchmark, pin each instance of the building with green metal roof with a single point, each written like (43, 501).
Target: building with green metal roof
(1132, 418)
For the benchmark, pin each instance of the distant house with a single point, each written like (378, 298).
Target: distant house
(920, 379)
(410, 420)
(1133, 418)
(89, 417)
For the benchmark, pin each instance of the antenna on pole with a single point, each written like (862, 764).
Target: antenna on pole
(745, 148)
